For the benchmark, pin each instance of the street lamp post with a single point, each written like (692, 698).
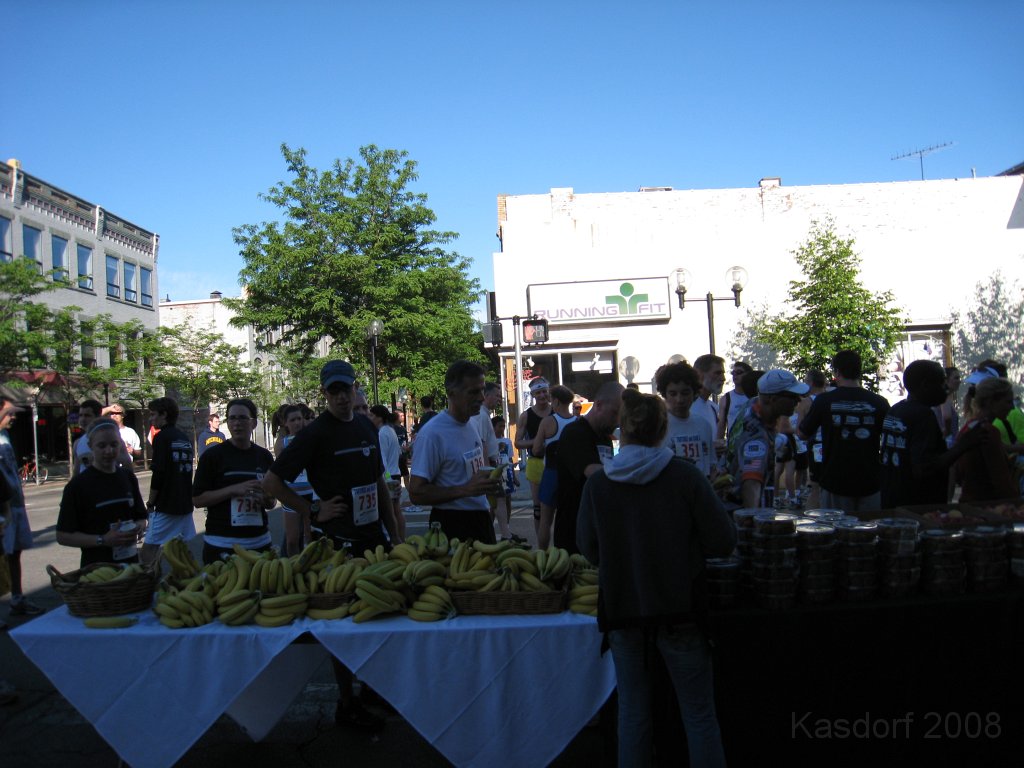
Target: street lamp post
(373, 331)
(738, 276)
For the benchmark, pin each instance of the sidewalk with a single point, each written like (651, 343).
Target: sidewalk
(42, 730)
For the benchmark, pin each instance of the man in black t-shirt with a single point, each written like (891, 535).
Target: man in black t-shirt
(915, 462)
(340, 452)
(170, 489)
(850, 419)
(584, 445)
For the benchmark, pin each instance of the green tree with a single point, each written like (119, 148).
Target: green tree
(197, 366)
(829, 310)
(356, 244)
(992, 327)
(24, 324)
(746, 347)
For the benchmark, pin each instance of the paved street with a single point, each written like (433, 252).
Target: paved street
(42, 730)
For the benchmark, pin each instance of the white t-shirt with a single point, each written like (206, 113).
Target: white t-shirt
(736, 402)
(131, 438)
(706, 410)
(81, 451)
(486, 431)
(691, 439)
(449, 453)
(389, 449)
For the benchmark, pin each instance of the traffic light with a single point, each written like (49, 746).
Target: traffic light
(535, 331)
(492, 333)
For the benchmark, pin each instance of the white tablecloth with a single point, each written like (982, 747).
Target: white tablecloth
(488, 690)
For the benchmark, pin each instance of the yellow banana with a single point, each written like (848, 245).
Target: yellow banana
(162, 609)
(328, 613)
(287, 572)
(381, 599)
(310, 582)
(417, 615)
(365, 615)
(273, 621)
(111, 622)
(300, 588)
(172, 623)
(492, 549)
(532, 583)
(237, 611)
(283, 600)
(244, 568)
(288, 610)
(227, 599)
(485, 563)
(493, 584)
(248, 555)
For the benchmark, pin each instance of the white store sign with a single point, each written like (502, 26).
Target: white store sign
(601, 301)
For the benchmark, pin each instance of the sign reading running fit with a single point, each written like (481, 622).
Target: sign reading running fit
(600, 301)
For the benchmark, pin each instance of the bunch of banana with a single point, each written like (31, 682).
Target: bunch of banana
(393, 570)
(341, 578)
(234, 575)
(552, 563)
(280, 610)
(518, 560)
(378, 595)
(492, 549)
(112, 573)
(503, 581)
(238, 606)
(111, 622)
(340, 612)
(405, 552)
(418, 543)
(183, 564)
(436, 542)
(272, 574)
(583, 572)
(374, 556)
(432, 605)
(201, 582)
(177, 609)
(584, 599)
(461, 558)
(424, 573)
(315, 553)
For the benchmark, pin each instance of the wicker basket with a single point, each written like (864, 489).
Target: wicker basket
(109, 598)
(508, 603)
(325, 601)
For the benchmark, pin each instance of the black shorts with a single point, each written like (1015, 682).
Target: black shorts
(465, 524)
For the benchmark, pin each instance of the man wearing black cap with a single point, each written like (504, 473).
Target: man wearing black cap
(340, 452)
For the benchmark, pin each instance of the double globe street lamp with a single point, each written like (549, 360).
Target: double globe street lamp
(736, 275)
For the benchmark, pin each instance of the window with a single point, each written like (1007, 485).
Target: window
(32, 244)
(146, 286)
(88, 350)
(84, 267)
(6, 247)
(113, 286)
(129, 282)
(59, 252)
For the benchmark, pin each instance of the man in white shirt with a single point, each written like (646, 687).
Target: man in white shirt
(492, 397)
(129, 436)
(711, 370)
(447, 465)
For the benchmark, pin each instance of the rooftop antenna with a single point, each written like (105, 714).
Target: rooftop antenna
(920, 153)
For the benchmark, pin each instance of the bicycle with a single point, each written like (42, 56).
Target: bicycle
(29, 472)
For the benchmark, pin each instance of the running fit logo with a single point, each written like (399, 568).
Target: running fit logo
(626, 302)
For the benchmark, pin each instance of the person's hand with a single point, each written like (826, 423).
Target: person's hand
(254, 487)
(482, 484)
(332, 508)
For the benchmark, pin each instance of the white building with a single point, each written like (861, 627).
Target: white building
(104, 264)
(584, 262)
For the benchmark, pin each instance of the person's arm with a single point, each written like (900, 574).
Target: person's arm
(387, 510)
(421, 491)
(928, 464)
(750, 493)
(723, 416)
(523, 441)
(715, 527)
(586, 526)
(112, 538)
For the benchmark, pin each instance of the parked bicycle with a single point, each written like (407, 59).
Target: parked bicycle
(29, 471)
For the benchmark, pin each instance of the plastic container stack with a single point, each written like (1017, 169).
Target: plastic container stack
(723, 577)
(856, 566)
(1015, 545)
(816, 552)
(899, 557)
(942, 569)
(774, 560)
(986, 560)
(744, 519)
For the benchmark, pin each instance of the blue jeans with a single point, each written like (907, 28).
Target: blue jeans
(688, 659)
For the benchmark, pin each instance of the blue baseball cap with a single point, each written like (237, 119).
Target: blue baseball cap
(335, 371)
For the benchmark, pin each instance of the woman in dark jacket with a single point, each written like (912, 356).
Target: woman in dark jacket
(649, 520)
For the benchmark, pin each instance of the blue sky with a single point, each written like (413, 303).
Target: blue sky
(171, 114)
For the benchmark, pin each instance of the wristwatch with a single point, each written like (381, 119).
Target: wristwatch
(314, 508)
(99, 541)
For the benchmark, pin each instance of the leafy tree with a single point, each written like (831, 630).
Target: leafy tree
(745, 346)
(24, 324)
(199, 367)
(355, 245)
(992, 327)
(829, 310)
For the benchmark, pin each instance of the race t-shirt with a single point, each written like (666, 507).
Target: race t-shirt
(448, 453)
(911, 437)
(850, 420)
(707, 410)
(341, 458)
(751, 451)
(224, 465)
(691, 439)
(93, 502)
(172, 471)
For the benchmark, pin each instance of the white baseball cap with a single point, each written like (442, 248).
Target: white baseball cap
(776, 381)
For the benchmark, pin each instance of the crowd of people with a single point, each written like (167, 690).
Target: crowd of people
(641, 484)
